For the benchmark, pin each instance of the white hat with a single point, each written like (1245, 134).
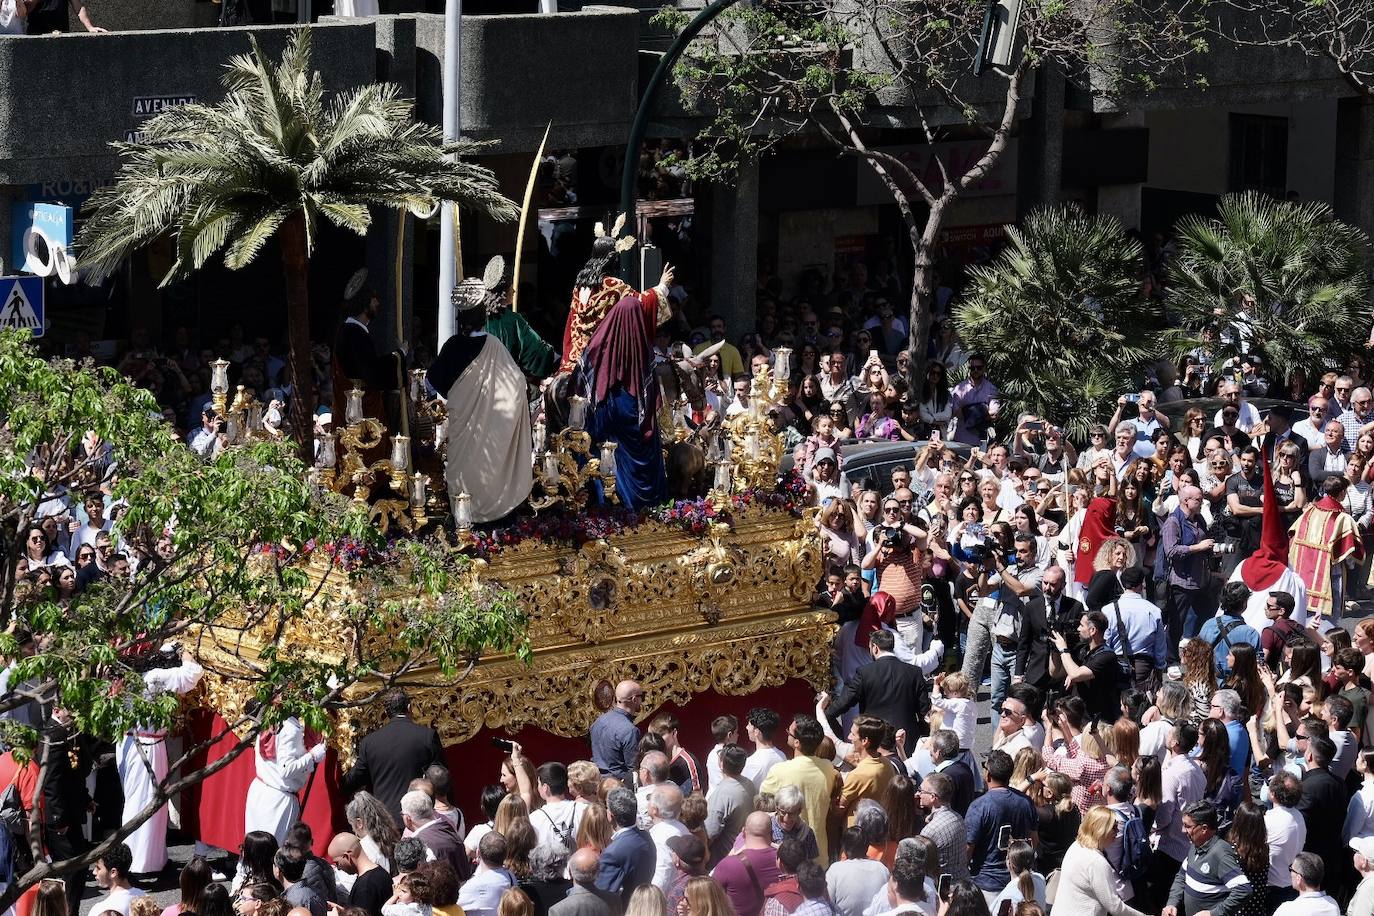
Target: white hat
(1364, 845)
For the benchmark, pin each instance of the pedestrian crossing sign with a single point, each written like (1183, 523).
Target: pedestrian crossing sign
(21, 304)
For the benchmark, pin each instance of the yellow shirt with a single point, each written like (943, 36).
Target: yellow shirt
(867, 780)
(816, 780)
(731, 363)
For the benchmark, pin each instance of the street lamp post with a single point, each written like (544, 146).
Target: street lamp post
(629, 177)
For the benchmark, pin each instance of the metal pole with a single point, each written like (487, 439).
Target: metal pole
(629, 178)
(453, 127)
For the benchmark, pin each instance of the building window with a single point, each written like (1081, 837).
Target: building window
(1259, 153)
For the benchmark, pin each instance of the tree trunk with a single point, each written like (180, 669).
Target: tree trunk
(922, 298)
(295, 262)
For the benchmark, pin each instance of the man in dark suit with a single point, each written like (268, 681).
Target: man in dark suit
(393, 755)
(585, 898)
(1323, 796)
(948, 758)
(890, 689)
(629, 860)
(437, 833)
(1047, 609)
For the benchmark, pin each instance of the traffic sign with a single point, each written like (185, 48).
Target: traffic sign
(21, 303)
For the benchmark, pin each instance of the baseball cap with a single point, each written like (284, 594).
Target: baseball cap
(689, 849)
(825, 454)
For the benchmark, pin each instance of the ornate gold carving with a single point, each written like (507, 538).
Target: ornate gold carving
(729, 612)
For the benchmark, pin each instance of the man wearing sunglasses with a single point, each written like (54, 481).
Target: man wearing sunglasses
(1310, 426)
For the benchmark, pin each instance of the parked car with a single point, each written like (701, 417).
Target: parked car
(875, 459)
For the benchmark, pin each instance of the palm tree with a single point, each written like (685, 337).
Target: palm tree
(272, 158)
(1059, 317)
(1287, 281)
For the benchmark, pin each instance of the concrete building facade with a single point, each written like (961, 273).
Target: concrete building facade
(1269, 118)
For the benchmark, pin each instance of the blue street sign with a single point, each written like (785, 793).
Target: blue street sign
(53, 221)
(21, 303)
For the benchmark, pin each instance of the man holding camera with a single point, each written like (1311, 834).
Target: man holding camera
(1186, 547)
(1148, 419)
(1094, 675)
(896, 558)
(997, 618)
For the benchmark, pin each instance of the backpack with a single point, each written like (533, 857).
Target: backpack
(564, 841)
(1228, 795)
(1292, 635)
(1136, 854)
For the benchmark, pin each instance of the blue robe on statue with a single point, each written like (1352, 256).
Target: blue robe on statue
(640, 479)
(616, 373)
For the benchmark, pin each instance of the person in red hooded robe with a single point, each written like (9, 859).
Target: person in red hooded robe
(1267, 570)
(1098, 518)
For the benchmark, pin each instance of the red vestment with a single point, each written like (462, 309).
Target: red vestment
(1323, 536)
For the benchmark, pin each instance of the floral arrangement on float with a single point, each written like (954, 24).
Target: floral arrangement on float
(693, 516)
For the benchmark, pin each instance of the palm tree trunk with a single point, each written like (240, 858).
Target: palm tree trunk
(295, 262)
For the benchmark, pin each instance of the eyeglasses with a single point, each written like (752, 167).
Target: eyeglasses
(1007, 714)
(1340, 390)
(966, 480)
(892, 509)
(1099, 435)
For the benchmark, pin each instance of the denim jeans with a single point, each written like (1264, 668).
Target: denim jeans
(979, 641)
(1186, 611)
(1002, 661)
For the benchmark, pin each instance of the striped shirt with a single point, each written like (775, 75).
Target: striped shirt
(1211, 879)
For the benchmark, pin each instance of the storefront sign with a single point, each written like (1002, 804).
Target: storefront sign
(146, 106)
(37, 232)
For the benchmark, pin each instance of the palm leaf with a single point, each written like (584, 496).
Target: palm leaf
(1058, 317)
(225, 177)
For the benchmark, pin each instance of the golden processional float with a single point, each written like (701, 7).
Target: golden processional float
(705, 595)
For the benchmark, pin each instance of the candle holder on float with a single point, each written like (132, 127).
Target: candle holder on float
(753, 447)
(429, 415)
(409, 503)
(564, 466)
(219, 385)
(243, 416)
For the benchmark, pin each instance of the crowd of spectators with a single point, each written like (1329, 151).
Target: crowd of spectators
(1162, 731)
